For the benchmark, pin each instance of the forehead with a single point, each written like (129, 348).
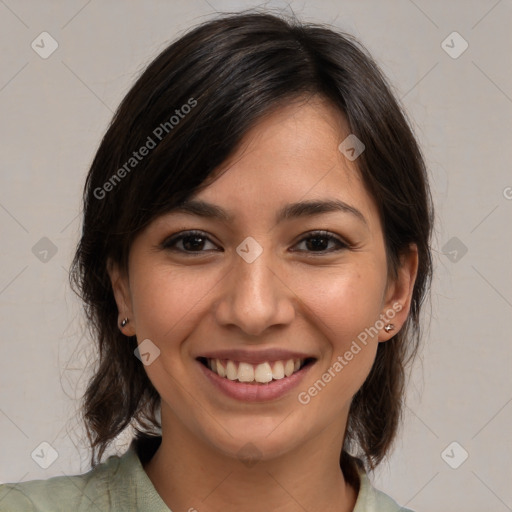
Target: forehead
(290, 155)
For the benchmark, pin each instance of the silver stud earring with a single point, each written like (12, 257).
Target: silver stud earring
(389, 327)
(124, 322)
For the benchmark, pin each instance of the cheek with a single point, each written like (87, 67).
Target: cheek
(345, 305)
(343, 302)
(167, 304)
(168, 301)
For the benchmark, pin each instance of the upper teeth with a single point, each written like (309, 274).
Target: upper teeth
(246, 372)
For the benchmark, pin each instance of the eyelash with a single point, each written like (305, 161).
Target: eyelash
(170, 242)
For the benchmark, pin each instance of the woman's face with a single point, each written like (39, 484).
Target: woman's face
(269, 287)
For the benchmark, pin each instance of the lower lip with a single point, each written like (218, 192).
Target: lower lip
(255, 392)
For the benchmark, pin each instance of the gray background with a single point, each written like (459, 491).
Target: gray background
(54, 112)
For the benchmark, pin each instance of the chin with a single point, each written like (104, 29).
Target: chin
(250, 440)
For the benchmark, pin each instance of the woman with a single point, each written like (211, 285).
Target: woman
(254, 257)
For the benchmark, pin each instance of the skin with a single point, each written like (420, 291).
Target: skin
(293, 296)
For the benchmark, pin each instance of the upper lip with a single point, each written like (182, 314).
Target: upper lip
(255, 356)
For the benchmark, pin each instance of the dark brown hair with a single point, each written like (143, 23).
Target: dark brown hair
(230, 71)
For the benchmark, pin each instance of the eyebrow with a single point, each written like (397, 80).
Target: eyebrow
(287, 212)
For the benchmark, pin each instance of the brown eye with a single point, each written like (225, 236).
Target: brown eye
(195, 242)
(318, 242)
(187, 242)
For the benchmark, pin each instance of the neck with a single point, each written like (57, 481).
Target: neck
(191, 475)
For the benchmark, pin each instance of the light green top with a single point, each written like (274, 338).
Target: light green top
(120, 484)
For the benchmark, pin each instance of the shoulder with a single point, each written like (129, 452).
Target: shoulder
(64, 493)
(370, 499)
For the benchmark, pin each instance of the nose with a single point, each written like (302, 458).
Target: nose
(254, 296)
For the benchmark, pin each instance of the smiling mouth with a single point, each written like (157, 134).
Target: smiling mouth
(248, 373)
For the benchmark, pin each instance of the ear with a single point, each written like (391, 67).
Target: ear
(398, 296)
(121, 290)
